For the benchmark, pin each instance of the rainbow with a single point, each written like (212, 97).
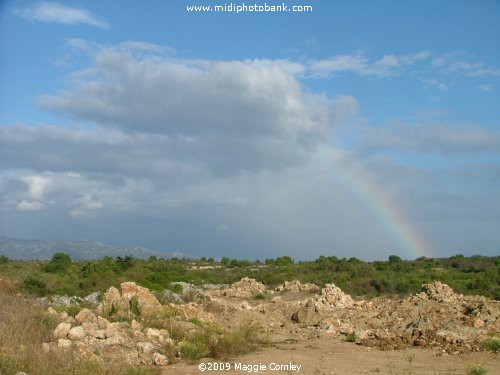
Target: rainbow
(381, 208)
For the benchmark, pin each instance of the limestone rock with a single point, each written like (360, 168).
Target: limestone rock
(76, 333)
(64, 343)
(145, 347)
(62, 330)
(296, 286)
(85, 316)
(160, 359)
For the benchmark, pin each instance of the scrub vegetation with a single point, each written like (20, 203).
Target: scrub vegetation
(395, 276)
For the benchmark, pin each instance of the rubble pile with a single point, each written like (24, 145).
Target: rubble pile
(125, 325)
(93, 336)
(436, 317)
(133, 300)
(245, 288)
(296, 286)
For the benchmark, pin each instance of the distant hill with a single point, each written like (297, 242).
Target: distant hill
(78, 250)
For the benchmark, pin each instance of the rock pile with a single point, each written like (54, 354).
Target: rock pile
(438, 292)
(245, 288)
(296, 286)
(92, 335)
(314, 310)
(132, 301)
(436, 317)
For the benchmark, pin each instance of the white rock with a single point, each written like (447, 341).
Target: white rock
(85, 316)
(51, 310)
(45, 347)
(114, 341)
(160, 359)
(152, 332)
(90, 328)
(76, 333)
(145, 347)
(136, 325)
(62, 330)
(64, 343)
(99, 334)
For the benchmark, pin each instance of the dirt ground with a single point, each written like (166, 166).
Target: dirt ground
(320, 356)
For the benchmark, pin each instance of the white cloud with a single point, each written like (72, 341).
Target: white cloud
(446, 140)
(226, 115)
(461, 63)
(487, 87)
(386, 66)
(25, 205)
(51, 12)
(211, 156)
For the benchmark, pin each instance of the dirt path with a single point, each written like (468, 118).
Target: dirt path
(326, 356)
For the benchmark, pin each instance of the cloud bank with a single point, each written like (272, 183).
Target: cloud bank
(50, 12)
(235, 158)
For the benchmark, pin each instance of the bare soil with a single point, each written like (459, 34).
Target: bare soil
(325, 355)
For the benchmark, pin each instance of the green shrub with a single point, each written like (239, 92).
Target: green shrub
(476, 369)
(244, 339)
(493, 344)
(351, 337)
(195, 321)
(193, 350)
(34, 285)
(60, 262)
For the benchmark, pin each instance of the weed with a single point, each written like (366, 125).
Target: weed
(493, 344)
(195, 321)
(71, 310)
(134, 306)
(476, 369)
(410, 356)
(259, 296)
(352, 337)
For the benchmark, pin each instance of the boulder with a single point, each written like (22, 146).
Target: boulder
(62, 330)
(76, 333)
(296, 286)
(85, 316)
(145, 347)
(160, 359)
(134, 300)
(64, 343)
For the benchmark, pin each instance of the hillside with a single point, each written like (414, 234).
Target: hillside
(78, 250)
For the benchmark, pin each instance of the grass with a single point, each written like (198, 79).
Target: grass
(476, 369)
(23, 329)
(211, 341)
(493, 344)
(352, 337)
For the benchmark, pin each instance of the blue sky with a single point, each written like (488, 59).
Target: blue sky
(361, 128)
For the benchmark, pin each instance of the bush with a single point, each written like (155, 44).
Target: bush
(242, 340)
(60, 262)
(493, 344)
(476, 369)
(352, 337)
(34, 285)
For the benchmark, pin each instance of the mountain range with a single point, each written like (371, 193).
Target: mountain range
(77, 249)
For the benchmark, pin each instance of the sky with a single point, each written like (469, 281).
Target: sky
(351, 128)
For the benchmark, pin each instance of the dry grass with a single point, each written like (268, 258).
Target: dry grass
(23, 329)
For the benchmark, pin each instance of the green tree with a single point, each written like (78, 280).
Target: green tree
(60, 262)
(393, 259)
(126, 262)
(283, 261)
